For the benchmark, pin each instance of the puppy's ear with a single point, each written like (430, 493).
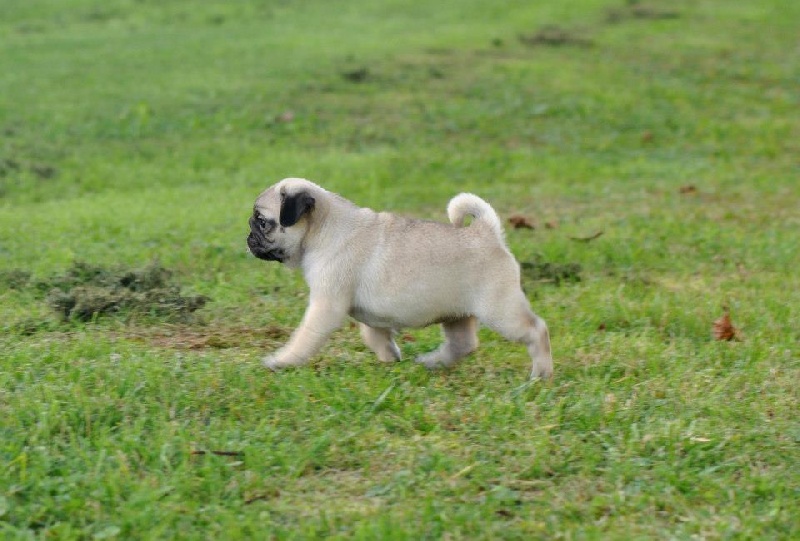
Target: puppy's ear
(294, 206)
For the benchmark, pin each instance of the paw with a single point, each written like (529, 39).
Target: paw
(433, 360)
(389, 354)
(272, 362)
(278, 360)
(542, 369)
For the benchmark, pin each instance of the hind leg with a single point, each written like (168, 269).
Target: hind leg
(461, 339)
(381, 342)
(514, 319)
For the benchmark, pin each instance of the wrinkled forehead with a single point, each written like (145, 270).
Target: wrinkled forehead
(268, 203)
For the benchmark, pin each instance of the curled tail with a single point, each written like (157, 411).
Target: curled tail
(467, 204)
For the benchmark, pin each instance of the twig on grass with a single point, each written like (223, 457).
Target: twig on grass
(218, 453)
(589, 238)
(260, 497)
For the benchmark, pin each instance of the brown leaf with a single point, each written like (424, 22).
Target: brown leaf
(551, 224)
(518, 221)
(688, 189)
(723, 329)
(647, 137)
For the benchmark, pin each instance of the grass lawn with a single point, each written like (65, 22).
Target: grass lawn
(135, 136)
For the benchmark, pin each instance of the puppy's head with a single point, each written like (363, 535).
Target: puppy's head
(280, 221)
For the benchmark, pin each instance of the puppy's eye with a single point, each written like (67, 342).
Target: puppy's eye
(262, 222)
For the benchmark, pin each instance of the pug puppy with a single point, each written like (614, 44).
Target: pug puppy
(389, 272)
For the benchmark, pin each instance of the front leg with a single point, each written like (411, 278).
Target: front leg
(320, 320)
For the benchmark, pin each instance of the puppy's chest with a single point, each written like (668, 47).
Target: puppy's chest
(382, 311)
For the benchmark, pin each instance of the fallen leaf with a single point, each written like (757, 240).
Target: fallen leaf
(518, 221)
(551, 224)
(647, 137)
(723, 329)
(601, 327)
(688, 189)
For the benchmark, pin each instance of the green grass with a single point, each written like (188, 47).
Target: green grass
(140, 130)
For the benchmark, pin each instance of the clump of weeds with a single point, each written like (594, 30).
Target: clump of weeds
(85, 292)
(541, 271)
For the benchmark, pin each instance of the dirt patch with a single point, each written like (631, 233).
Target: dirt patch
(358, 75)
(538, 270)
(42, 171)
(85, 292)
(555, 36)
(634, 9)
(197, 338)
(14, 279)
(8, 166)
(31, 326)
